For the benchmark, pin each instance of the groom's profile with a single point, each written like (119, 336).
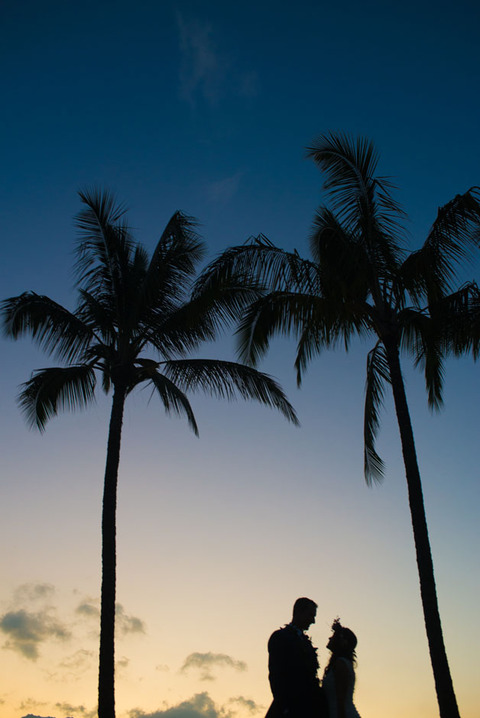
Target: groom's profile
(293, 666)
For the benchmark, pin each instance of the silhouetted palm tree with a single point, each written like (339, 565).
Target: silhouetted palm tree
(361, 281)
(129, 305)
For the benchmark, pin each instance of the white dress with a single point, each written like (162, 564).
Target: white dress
(328, 684)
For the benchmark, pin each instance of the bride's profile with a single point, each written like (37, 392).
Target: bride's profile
(339, 676)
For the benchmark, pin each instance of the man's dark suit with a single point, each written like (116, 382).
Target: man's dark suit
(293, 666)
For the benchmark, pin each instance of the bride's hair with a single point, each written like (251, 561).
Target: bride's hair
(345, 647)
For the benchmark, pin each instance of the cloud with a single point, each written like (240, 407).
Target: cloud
(200, 70)
(206, 73)
(26, 631)
(30, 704)
(128, 624)
(162, 667)
(124, 624)
(88, 608)
(247, 704)
(199, 706)
(30, 592)
(223, 190)
(249, 84)
(205, 662)
(78, 662)
(68, 710)
(122, 663)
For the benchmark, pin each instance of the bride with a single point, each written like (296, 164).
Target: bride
(339, 677)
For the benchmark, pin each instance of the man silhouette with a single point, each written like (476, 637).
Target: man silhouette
(293, 666)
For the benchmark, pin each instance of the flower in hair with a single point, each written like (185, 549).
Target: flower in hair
(336, 625)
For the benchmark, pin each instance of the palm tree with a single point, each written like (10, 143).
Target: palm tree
(129, 305)
(361, 281)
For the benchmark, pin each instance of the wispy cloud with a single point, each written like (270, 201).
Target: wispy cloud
(79, 662)
(29, 704)
(127, 624)
(68, 709)
(89, 608)
(206, 662)
(201, 70)
(207, 73)
(162, 667)
(246, 704)
(222, 191)
(122, 663)
(249, 84)
(31, 592)
(26, 631)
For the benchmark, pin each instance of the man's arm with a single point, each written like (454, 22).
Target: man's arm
(279, 665)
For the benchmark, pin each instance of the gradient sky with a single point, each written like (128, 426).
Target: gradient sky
(207, 107)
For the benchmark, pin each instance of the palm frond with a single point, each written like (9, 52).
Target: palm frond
(99, 314)
(106, 379)
(52, 389)
(431, 360)
(349, 164)
(102, 356)
(226, 380)
(377, 375)
(173, 263)
(105, 245)
(327, 324)
(276, 313)
(457, 320)
(201, 319)
(424, 339)
(360, 198)
(221, 301)
(343, 264)
(414, 277)
(173, 399)
(56, 330)
(261, 266)
(452, 240)
(131, 307)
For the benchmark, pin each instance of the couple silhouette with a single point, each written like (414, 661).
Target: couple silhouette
(293, 669)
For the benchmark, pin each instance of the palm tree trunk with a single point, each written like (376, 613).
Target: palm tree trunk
(447, 701)
(106, 673)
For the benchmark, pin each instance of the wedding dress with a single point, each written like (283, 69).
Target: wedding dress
(328, 684)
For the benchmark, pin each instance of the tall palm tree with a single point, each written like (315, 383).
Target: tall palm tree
(361, 281)
(129, 306)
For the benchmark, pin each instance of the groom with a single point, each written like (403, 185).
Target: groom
(293, 666)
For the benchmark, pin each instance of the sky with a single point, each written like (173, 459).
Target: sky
(208, 107)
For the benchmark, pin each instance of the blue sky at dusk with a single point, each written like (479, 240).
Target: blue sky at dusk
(208, 107)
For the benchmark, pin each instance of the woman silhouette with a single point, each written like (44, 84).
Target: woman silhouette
(339, 676)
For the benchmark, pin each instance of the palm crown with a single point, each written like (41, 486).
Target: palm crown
(361, 280)
(131, 305)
